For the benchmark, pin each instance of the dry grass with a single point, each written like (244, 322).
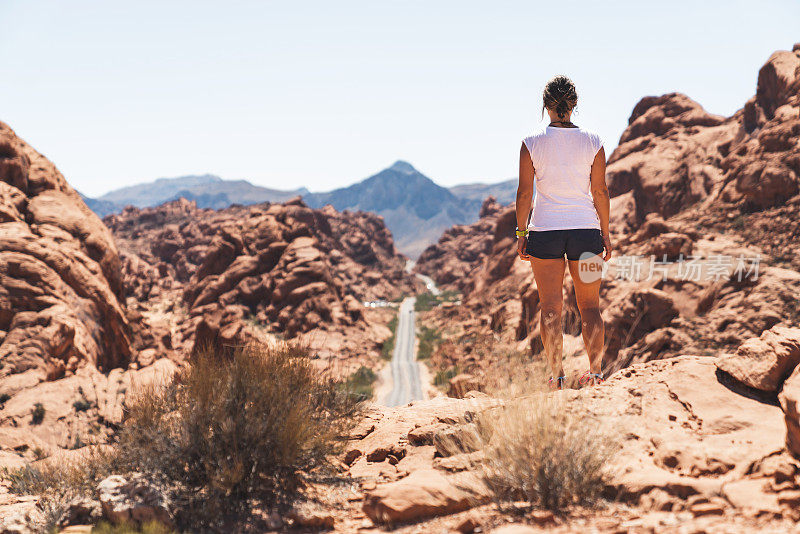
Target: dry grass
(230, 433)
(536, 450)
(232, 430)
(540, 446)
(58, 482)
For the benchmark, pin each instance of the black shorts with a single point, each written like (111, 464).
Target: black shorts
(553, 244)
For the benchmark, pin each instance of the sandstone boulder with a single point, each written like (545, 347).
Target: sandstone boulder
(423, 494)
(766, 361)
(133, 499)
(463, 383)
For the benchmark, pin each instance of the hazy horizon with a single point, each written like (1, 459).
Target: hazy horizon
(377, 171)
(323, 95)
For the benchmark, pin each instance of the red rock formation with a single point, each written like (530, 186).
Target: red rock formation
(461, 248)
(59, 272)
(241, 273)
(62, 316)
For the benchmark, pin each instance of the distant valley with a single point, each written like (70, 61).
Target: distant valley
(415, 208)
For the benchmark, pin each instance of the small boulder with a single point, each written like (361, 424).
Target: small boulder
(133, 499)
(82, 511)
(463, 383)
(764, 362)
(423, 435)
(423, 494)
(313, 519)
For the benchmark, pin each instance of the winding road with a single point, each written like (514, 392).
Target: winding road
(406, 385)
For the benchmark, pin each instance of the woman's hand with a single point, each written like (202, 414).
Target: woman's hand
(521, 243)
(607, 247)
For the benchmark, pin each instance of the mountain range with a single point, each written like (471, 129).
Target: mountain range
(415, 208)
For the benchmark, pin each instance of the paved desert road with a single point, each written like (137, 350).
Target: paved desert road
(405, 368)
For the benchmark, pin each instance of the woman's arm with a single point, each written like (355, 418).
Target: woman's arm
(524, 196)
(600, 195)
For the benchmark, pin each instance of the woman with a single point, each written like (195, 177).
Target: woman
(570, 217)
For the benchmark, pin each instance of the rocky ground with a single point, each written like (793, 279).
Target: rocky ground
(700, 447)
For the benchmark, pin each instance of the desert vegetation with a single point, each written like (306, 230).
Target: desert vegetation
(388, 345)
(224, 439)
(536, 450)
(426, 301)
(360, 383)
(429, 338)
(536, 446)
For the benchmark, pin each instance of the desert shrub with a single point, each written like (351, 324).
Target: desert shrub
(426, 301)
(37, 414)
(360, 383)
(57, 483)
(443, 376)
(79, 477)
(227, 433)
(428, 339)
(232, 430)
(388, 346)
(536, 450)
(4, 398)
(81, 405)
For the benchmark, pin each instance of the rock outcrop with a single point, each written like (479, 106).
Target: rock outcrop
(66, 337)
(765, 362)
(60, 283)
(224, 278)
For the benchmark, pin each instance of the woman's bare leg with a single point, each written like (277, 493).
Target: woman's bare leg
(549, 275)
(587, 293)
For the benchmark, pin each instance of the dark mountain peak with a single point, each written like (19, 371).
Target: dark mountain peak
(403, 166)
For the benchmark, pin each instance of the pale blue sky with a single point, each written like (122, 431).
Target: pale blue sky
(322, 94)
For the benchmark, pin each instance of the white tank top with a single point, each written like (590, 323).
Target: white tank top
(562, 161)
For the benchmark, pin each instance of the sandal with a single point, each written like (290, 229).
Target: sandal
(558, 383)
(593, 378)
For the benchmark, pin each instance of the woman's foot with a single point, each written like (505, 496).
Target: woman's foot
(592, 379)
(558, 383)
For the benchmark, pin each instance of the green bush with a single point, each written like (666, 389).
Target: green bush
(360, 383)
(153, 527)
(81, 405)
(443, 376)
(37, 414)
(426, 301)
(428, 339)
(388, 346)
